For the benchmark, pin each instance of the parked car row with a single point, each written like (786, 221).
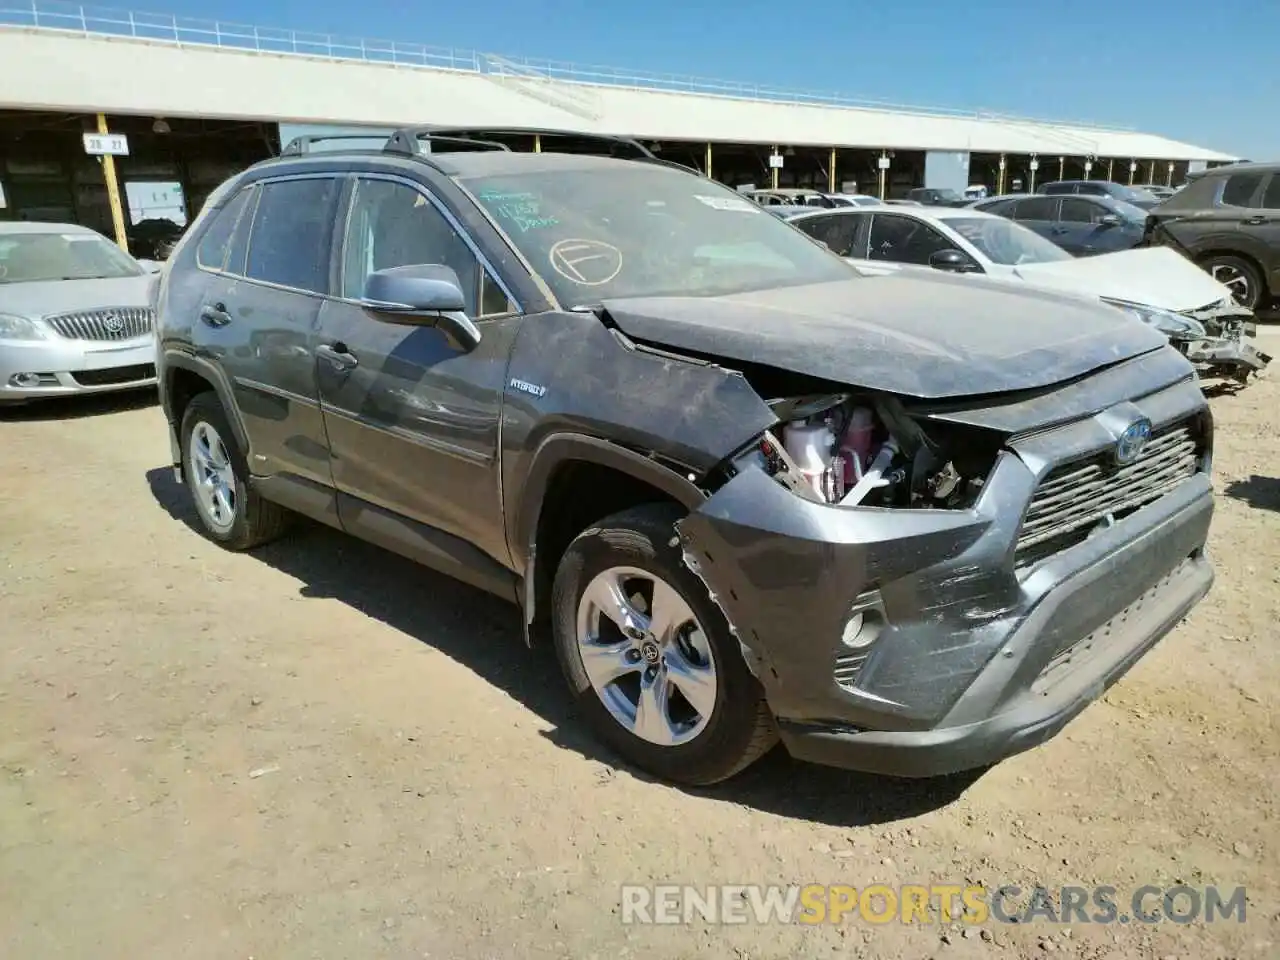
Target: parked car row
(1226, 220)
(1155, 285)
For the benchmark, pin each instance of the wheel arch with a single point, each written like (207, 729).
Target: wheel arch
(573, 481)
(185, 377)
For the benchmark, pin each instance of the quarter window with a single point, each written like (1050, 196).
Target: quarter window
(1271, 199)
(212, 251)
(1239, 189)
(394, 225)
(289, 243)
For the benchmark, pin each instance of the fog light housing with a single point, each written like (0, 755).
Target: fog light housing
(25, 380)
(866, 620)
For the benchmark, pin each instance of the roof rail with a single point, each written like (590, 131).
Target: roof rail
(301, 145)
(405, 141)
(603, 138)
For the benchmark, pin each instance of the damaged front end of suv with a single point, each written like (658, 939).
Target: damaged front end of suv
(924, 585)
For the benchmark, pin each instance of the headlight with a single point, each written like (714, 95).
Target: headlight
(1166, 321)
(13, 327)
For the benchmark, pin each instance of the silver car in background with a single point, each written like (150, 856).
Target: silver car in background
(74, 314)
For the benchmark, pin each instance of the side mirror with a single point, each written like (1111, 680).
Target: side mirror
(953, 260)
(421, 294)
(151, 266)
(1110, 220)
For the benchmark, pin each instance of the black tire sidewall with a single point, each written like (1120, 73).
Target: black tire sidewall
(641, 538)
(208, 409)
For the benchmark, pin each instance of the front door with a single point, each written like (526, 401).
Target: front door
(412, 418)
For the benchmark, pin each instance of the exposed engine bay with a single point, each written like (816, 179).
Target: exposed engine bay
(849, 450)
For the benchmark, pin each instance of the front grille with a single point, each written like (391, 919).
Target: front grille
(115, 323)
(1074, 498)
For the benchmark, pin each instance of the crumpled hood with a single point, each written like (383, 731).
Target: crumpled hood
(1151, 276)
(65, 296)
(928, 336)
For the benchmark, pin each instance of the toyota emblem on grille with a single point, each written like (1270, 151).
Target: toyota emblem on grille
(1133, 441)
(113, 322)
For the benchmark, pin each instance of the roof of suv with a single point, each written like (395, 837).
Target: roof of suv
(1247, 166)
(472, 163)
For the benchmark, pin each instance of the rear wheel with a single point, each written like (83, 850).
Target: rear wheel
(217, 475)
(649, 656)
(1239, 276)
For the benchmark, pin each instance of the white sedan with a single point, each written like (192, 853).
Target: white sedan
(1154, 284)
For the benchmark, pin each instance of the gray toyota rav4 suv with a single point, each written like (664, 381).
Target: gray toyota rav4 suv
(905, 525)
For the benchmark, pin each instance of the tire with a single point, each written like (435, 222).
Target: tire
(1241, 277)
(699, 655)
(251, 520)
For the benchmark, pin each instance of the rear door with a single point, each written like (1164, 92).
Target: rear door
(259, 323)
(1264, 223)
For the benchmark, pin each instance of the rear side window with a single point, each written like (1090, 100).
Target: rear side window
(1036, 208)
(838, 232)
(1271, 199)
(1240, 188)
(1060, 187)
(289, 243)
(1001, 208)
(212, 252)
(1077, 210)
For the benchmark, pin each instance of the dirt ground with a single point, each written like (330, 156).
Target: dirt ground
(320, 750)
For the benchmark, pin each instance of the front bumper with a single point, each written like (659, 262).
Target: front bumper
(975, 660)
(62, 367)
(1227, 358)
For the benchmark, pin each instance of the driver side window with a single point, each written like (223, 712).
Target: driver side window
(393, 225)
(904, 240)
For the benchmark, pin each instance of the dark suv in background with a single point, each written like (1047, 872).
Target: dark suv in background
(1228, 220)
(908, 525)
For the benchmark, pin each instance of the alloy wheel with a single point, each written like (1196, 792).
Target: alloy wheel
(213, 478)
(646, 655)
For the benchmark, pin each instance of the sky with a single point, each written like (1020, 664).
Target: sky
(1204, 73)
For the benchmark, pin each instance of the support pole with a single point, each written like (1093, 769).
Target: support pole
(773, 171)
(883, 173)
(709, 177)
(831, 172)
(1110, 164)
(1000, 179)
(113, 190)
(1062, 168)
(537, 143)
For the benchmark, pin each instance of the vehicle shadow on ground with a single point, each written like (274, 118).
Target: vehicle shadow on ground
(1259, 492)
(485, 634)
(77, 407)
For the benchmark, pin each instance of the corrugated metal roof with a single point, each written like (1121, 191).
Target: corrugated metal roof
(271, 74)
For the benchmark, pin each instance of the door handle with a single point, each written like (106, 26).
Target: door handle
(337, 355)
(215, 314)
(1256, 221)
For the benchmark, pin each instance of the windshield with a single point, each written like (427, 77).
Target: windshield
(1005, 242)
(635, 230)
(33, 257)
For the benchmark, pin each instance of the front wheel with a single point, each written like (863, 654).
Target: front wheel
(1239, 276)
(649, 656)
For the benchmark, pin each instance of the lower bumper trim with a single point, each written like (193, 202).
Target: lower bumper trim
(1030, 721)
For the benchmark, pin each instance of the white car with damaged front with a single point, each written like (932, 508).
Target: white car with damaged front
(1156, 285)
